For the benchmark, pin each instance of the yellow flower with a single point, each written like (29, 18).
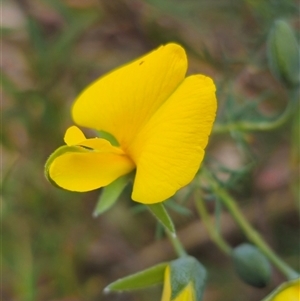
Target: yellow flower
(290, 293)
(187, 294)
(160, 119)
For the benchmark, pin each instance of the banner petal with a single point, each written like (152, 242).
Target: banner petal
(121, 102)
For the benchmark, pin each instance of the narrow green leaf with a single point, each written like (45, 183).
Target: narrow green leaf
(148, 277)
(36, 36)
(178, 208)
(110, 195)
(63, 9)
(64, 43)
(218, 214)
(159, 211)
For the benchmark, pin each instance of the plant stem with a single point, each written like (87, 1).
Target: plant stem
(257, 126)
(205, 217)
(160, 213)
(249, 231)
(177, 245)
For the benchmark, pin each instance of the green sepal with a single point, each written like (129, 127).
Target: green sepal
(59, 152)
(184, 271)
(146, 278)
(110, 194)
(251, 265)
(283, 54)
(280, 288)
(159, 211)
(109, 137)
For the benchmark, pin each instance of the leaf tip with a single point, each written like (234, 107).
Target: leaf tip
(95, 214)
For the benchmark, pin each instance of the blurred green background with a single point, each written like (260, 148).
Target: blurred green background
(52, 247)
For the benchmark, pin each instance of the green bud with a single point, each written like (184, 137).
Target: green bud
(184, 271)
(283, 54)
(251, 265)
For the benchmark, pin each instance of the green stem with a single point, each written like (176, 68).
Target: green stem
(176, 243)
(160, 213)
(258, 126)
(205, 217)
(249, 231)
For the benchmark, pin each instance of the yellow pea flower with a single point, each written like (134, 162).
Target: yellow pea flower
(290, 293)
(187, 294)
(160, 118)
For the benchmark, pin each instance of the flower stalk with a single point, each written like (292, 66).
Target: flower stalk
(262, 125)
(177, 245)
(247, 228)
(205, 217)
